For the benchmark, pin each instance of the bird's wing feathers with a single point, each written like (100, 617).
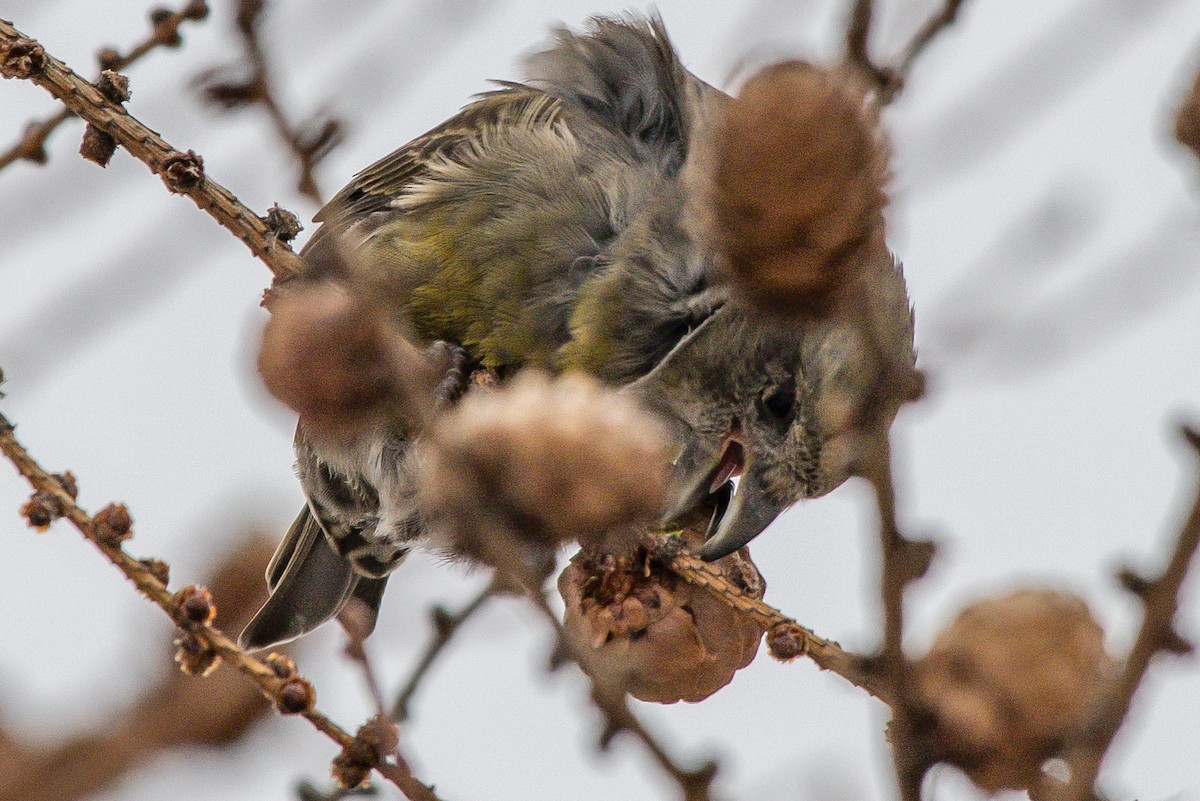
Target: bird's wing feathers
(377, 186)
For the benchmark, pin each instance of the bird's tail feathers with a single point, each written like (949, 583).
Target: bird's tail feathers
(309, 584)
(624, 72)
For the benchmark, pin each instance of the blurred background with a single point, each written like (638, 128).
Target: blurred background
(1048, 225)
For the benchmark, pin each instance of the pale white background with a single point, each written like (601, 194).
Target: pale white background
(1049, 228)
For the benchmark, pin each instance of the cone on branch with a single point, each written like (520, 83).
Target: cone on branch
(789, 185)
(665, 639)
(1007, 681)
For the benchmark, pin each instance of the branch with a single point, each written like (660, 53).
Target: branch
(445, 625)
(190, 610)
(164, 33)
(183, 173)
(310, 143)
(1160, 599)
(786, 638)
(889, 81)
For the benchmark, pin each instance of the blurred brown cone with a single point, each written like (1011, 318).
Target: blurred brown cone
(670, 640)
(1007, 681)
(537, 463)
(788, 183)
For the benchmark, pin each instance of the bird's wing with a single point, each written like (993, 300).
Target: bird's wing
(377, 186)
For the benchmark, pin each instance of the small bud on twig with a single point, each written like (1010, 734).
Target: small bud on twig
(285, 225)
(113, 524)
(194, 604)
(97, 146)
(182, 171)
(284, 666)
(295, 696)
(44, 507)
(787, 641)
(113, 85)
(23, 59)
(193, 656)
(159, 569)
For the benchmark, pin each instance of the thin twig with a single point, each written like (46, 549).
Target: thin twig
(183, 173)
(827, 654)
(1160, 600)
(928, 32)
(445, 626)
(858, 40)
(164, 33)
(272, 684)
(889, 81)
(310, 143)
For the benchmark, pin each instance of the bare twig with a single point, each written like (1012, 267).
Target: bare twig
(289, 692)
(858, 35)
(183, 173)
(903, 561)
(164, 33)
(928, 32)
(889, 80)
(1160, 599)
(445, 626)
(310, 142)
(827, 654)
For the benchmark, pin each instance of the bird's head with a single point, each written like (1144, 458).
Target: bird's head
(776, 402)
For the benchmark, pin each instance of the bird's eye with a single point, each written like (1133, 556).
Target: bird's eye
(779, 405)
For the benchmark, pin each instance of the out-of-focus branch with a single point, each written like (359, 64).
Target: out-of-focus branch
(1160, 600)
(164, 33)
(183, 173)
(445, 626)
(889, 80)
(309, 142)
(609, 695)
(1187, 119)
(192, 611)
(178, 711)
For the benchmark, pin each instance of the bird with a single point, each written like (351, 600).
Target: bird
(551, 224)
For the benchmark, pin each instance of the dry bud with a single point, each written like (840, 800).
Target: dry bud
(113, 85)
(295, 697)
(194, 657)
(113, 525)
(375, 739)
(284, 225)
(166, 26)
(546, 460)
(283, 666)
(194, 604)
(789, 183)
(42, 509)
(97, 146)
(1007, 681)
(159, 569)
(787, 641)
(182, 171)
(22, 59)
(669, 640)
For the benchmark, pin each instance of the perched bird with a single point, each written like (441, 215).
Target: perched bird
(556, 224)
